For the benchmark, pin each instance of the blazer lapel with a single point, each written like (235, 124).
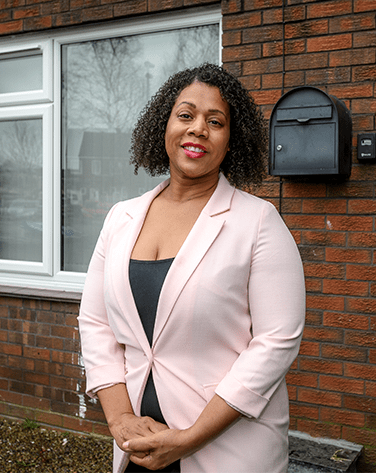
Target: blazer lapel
(204, 232)
(137, 214)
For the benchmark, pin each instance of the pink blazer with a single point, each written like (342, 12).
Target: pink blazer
(229, 321)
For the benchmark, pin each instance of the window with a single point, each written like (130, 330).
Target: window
(65, 135)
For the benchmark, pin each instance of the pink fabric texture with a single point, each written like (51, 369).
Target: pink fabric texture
(229, 321)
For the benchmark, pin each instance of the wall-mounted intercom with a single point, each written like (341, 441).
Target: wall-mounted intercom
(366, 147)
(310, 134)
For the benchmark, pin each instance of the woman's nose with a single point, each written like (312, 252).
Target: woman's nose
(198, 128)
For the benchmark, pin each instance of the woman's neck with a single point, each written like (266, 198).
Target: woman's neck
(184, 190)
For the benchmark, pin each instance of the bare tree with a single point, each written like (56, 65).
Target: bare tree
(102, 84)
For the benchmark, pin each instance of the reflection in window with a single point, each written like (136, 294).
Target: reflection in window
(21, 190)
(105, 84)
(21, 74)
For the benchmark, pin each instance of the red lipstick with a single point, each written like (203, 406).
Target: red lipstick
(194, 150)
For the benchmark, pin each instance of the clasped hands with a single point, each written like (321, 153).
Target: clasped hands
(150, 444)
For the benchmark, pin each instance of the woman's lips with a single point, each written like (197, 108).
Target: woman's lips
(194, 151)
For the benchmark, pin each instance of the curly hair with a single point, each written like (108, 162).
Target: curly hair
(244, 163)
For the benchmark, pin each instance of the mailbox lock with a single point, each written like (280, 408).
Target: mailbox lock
(279, 147)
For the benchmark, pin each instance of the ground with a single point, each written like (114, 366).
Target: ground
(27, 447)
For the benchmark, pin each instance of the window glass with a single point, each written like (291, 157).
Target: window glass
(20, 74)
(21, 190)
(105, 84)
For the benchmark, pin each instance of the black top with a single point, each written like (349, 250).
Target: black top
(146, 279)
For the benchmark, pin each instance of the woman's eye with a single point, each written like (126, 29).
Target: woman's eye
(184, 115)
(215, 122)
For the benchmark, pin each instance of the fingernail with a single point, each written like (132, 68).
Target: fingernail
(125, 444)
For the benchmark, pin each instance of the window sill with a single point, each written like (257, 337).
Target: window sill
(41, 294)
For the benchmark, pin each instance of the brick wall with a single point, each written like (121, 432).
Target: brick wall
(327, 44)
(330, 45)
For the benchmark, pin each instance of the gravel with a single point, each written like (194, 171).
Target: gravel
(27, 447)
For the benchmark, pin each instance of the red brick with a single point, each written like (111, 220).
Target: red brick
(319, 429)
(313, 317)
(340, 352)
(26, 12)
(349, 223)
(360, 371)
(366, 306)
(364, 5)
(340, 384)
(324, 270)
(320, 366)
(348, 255)
(241, 53)
(363, 123)
(11, 27)
(364, 106)
(328, 9)
(231, 6)
(359, 403)
(364, 73)
(262, 66)
(328, 76)
(323, 398)
(241, 21)
(306, 29)
(360, 338)
(323, 334)
(261, 4)
(372, 356)
(299, 410)
(10, 349)
(324, 238)
(309, 348)
(40, 23)
(361, 272)
(303, 190)
(36, 353)
(231, 38)
(363, 206)
(324, 206)
(251, 82)
(351, 23)
(351, 91)
(350, 288)
(262, 34)
(305, 221)
(312, 253)
(313, 285)
(329, 43)
(363, 437)
(307, 61)
(354, 419)
(370, 390)
(352, 57)
(351, 189)
(36, 378)
(266, 97)
(345, 320)
(302, 379)
(325, 302)
(155, 5)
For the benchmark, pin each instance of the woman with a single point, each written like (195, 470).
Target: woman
(193, 306)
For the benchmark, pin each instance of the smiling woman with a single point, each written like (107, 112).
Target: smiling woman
(198, 132)
(183, 342)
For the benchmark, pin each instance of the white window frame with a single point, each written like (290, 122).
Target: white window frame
(44, 112)
(47, 275)
(33, 96)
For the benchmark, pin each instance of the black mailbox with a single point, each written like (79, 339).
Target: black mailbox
(310, 134)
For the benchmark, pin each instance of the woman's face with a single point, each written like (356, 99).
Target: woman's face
(198, 132)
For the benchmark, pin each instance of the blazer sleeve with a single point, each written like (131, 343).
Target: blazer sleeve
(277, 307)
(103, 356)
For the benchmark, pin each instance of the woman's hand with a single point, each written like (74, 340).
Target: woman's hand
(159, 450)
(129, 426)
